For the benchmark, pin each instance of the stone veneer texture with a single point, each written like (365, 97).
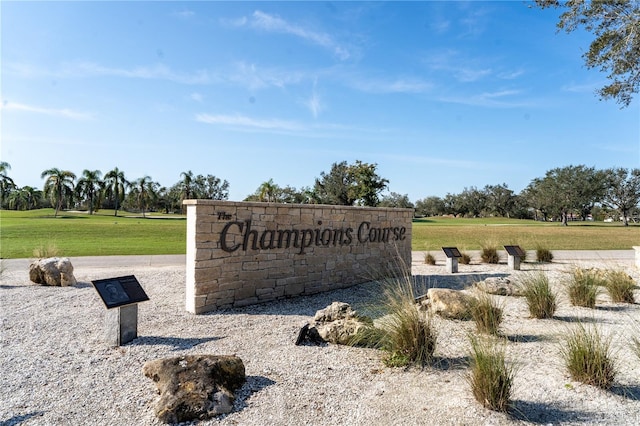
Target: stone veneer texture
(241, 253)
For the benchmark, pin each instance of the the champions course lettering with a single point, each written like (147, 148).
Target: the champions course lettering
(303, 238)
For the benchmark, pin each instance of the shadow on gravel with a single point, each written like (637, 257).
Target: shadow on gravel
(447, 364)
(544, 413)
(525, 338)
(629, 392)
(16, 420)
(178, 343)
(578, 319)
(253, 385)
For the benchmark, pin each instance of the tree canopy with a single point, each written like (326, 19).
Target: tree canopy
(616, 47)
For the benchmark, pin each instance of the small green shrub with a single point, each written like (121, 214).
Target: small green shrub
(486, 314)
(429, 259)
(587, 356)
(620, 287)
(582, 288)
(541, 300)
(489, 254)
(543, 255)
(490, 378)
(465, 259)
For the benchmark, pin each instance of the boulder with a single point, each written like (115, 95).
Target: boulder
(195, 387)
(53, 271)
(451, 304)
(337, 323)
(501, 286)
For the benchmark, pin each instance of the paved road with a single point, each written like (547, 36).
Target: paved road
(180, 260)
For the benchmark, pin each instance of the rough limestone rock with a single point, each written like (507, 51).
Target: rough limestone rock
(451, 304)
(195, 387)
(52, 271)
(501, 286)
(337, 323)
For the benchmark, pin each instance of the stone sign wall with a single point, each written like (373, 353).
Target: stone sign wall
(242, 253)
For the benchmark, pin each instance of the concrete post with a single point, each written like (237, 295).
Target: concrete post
(452, 265)
(514, 262)
(121, 324)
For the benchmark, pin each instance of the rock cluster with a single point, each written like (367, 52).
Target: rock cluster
(195, 387)
(337, 323)
(53, 271)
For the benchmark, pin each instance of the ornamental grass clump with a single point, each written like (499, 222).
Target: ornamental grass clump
(543, 255)
(486, 313)
(537, 292)
(406, 334)
(582, 288)
(620, 286)
(465, 259)
(489, 254)
(429, 259)
(490, 378)
(588, 358)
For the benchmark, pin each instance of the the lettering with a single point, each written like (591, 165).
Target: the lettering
(303, 239)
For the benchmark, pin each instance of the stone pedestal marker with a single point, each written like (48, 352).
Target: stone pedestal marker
(514, 262)
(121, 325)
(452, 265)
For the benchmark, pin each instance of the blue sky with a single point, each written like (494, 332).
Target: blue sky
(440, 95)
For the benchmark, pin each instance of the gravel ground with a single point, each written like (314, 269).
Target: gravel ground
(56, 368)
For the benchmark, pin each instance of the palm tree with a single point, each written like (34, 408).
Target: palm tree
(25, 198)
(144, 190)
(267, 190)
(115, 185)
(90, 186)
(186, 186)
(58, 186)
(6, 183)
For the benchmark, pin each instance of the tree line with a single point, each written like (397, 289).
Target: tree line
(563, 194)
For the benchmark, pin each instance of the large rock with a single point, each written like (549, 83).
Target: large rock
(451, 304)
(52, 271)
(337, 323)
(501, 286)
(195, 387)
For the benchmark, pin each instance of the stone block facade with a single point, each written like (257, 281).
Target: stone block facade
(241, 253)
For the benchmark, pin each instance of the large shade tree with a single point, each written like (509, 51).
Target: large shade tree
(347, 185)
(623, 191)
(58, 186)
(616, 47)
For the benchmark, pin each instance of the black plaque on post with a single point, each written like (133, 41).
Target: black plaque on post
(120, 291)
(514, 251)
(451, 252)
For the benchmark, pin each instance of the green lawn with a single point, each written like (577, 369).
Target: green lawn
(102, 234)
(472, 234)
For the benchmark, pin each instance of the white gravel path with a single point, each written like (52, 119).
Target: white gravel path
(56, 369)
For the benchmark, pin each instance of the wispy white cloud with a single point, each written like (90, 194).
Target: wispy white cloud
(511, 75)
(195, 96)
(64, 112)
(155, 72)
(255, 77)
(314, 102)
(580, 87)
(498, 99)
(248, 122)
(399, 85)
(273, 23)
(185, 14)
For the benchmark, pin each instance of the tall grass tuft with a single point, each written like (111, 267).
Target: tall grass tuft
(48, 250)
(489, 254)
(490, 378)
(408, 335)
(582, 288)
(465, 259)
(486, 313)
(429, 259)
(588, 358)
(543, 255)
(541, 300)
(620, 287)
